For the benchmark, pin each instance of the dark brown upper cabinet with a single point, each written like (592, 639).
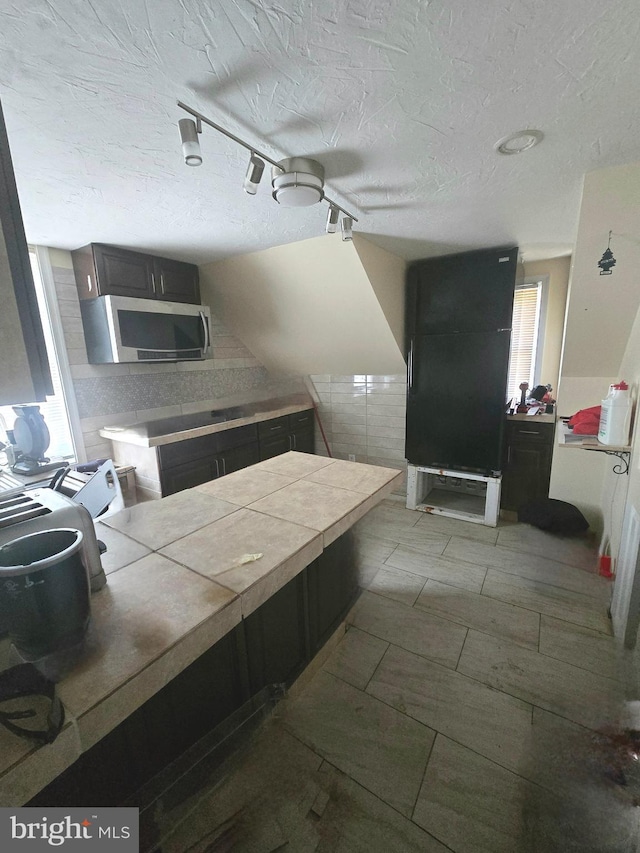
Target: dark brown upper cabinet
(23, 355)
(102, 270)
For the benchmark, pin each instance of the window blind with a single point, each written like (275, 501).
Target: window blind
(524, 337)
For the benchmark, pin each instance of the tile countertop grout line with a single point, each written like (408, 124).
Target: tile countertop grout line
(158, 657)
(100, 716)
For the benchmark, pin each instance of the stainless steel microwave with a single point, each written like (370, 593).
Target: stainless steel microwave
(124, 329)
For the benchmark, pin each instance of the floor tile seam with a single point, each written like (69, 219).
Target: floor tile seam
(446, 669)
(377, 666)
(411, 651)
(518, 643)
(529, 702)
(388, 805)
(411, 607)
(567, 622)
(524, 577)
(562, 562)
(598, 599)
(540, 613)
(614, 681)
(463, 564)
(481, 594)
(404, 571)
(424, 773)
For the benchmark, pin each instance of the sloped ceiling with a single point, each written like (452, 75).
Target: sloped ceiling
(401, 101)
(310, 308)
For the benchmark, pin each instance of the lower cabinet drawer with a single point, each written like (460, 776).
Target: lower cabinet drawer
(274, 427)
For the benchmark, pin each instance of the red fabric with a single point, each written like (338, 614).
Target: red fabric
(586, 421)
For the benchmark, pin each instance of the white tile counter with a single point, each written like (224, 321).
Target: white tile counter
(182, 572)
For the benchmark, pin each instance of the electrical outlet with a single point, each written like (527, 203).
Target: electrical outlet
(352, 457)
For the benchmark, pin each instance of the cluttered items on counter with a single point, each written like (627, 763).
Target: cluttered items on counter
(538, 401)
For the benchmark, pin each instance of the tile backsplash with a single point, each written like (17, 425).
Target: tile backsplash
(363, 416)
(124, 393)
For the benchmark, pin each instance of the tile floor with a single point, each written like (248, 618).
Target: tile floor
(458, 713)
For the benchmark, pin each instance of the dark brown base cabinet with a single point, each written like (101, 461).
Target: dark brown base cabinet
(194, 461)
(271, 646)
(526, 469)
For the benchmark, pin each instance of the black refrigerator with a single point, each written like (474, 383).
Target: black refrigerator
(458, 329)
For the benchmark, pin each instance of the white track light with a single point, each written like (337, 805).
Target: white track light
(347, 225)
(254, 174)
(190, 143)
(332, 219)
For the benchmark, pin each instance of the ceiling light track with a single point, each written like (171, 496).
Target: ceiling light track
(296, 181)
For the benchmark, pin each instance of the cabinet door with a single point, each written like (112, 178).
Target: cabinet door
(302, 441)
(276, 637)
(270, 447)
(120, 272)
(177, 281)
(188, 475)
(527, 473)
(332, 588)
(238, 457)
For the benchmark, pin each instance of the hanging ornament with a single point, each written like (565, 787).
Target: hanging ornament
(607, 260)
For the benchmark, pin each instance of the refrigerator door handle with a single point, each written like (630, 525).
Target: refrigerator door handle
(410, 369)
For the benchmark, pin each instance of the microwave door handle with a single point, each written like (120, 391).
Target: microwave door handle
(205, 329)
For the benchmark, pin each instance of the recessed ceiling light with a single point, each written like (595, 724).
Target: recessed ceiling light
(518, 142)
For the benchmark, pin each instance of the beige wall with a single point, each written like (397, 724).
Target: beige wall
(558, 271)
(310, 308)
(602, 341)
(386, 273)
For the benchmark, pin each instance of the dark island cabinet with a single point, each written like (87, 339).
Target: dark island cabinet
(221, 688)
(277, 637)
(526, 469)
(332, 582)
(102, 270)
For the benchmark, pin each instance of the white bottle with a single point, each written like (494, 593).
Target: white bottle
(615, 416)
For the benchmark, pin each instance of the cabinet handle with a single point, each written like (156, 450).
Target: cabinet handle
(292, 441)
(217, 468)
(272, 428)
(162, 283)
(89, 283)
(224, 466)
(528, 432)
(153, 282)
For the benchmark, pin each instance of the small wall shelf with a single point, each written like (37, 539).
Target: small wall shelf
(588, 442)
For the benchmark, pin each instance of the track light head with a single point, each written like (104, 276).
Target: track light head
(347, 226)
(190, 143)
(298, 182)
(254, 174)
(332, 219)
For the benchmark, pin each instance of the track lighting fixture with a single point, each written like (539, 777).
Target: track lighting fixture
(295, 181)
(254, 174)
(190, 145)
(332, 219)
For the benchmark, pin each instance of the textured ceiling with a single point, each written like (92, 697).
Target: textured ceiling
(401, 100)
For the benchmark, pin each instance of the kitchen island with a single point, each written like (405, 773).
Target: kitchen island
(189, 572)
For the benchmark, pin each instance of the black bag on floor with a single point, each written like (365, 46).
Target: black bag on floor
(554, 516)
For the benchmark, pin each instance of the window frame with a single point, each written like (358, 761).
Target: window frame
(527, 282)
(43, 259)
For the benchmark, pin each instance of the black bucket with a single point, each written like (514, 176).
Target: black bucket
(44, 592)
